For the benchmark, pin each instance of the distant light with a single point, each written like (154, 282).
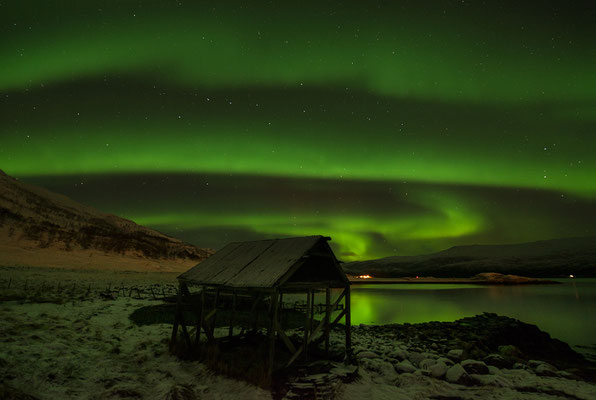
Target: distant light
(416, 276)
(364, 276)
(571, 276)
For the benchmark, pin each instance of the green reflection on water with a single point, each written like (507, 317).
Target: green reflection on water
(565, 311)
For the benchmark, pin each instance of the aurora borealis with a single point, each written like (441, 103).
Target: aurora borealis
(396, 128)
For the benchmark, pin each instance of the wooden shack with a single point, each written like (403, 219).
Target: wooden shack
(264, 271)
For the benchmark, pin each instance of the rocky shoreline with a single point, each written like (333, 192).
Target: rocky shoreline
(484, 350)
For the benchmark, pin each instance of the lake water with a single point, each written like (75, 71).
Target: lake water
(567, 311)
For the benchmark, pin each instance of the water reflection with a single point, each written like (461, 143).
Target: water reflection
(565, 311)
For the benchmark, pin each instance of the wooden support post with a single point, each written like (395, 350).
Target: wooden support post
(272, 329)
(327, 317)
(215, 304)
(233, 314)
(181, 315)
(312, 311)
(256, 311)
(174, 337)
(281, 307)
(200, 318)
(307, 324)
(348, 325)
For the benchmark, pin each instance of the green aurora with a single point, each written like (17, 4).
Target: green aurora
(394, 128)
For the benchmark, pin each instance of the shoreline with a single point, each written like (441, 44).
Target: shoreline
(480, 279)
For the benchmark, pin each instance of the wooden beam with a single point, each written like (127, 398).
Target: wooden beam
(200, 319)
(295, 356)
(272, 325)
(185, 331)
(174, 337)
(255, 310)
(285, 338)
(307, 325)
(215, 304)
(339, 317)
(231, 330)
(348, 325)
(327, 317)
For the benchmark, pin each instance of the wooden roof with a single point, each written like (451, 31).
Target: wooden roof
(267, 263)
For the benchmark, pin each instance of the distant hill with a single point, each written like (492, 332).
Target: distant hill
(41, 228)
(546, 258)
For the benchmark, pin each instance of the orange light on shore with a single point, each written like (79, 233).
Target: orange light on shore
(364, 276)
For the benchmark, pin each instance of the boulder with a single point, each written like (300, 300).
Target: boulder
(427, 363)
(439, 369)
(455, 354)
(518, 365)
(497, 360)
(545, 369)
(457, 374)
(446, 361)
(415, 357)
(475, 367)
(366, 354)
(405, 366)
(492, 370)
(510, 351)
(398, 354)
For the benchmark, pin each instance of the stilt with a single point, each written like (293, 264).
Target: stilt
(231, 330)
(200, 318)
(327, 317)
(272, 330)
(348, 325)
(307, 324)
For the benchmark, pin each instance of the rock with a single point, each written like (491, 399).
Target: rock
(510, 351)
(427, 363)
(439, 369)
(518, 365)
(405, 366)
(545, 369)
(475, 367)
(457, 374)
(447, 361)
(366, 354)
(497, 360)
(455, 354)
(398, 354)
(415, 357)
(493, 370)
(379, 366)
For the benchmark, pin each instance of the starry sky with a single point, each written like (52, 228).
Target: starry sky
(395, 127)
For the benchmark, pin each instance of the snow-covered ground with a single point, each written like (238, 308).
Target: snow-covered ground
(91, 350)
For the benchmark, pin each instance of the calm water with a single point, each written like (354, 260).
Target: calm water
(566, 311)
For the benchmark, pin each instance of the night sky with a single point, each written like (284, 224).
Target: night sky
(395, 127)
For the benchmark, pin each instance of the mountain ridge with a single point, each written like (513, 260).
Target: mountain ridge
(42, 228)
(542, 258)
